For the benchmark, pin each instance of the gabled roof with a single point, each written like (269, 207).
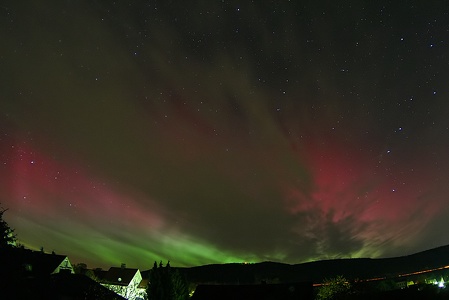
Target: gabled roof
(28, 262)
(81, 287)
(144, 283)
(119, 276)
(291, 291)
(56, 287)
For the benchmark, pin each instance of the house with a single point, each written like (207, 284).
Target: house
(25, 263)
(297, 291)
(61, 286)
(123, 281)
(27, 274)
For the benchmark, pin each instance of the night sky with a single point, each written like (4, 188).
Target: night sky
(224, 131)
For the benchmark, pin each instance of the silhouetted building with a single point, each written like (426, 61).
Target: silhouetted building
(27, 274)
(124, 281)
(21, 263)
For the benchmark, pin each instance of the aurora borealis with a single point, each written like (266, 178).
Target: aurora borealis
(224, 131)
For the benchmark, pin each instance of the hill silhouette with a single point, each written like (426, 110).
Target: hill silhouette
(317, 271)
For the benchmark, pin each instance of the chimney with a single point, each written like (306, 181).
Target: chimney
(123, 266)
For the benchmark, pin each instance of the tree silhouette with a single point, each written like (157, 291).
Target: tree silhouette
(154, 289)
(334, 288)
(166, 284)
(180, 288)
(7, 235)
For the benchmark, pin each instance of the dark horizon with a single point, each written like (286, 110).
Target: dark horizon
(433, 253)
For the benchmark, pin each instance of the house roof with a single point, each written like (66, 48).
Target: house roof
(56, 287)
(119, 276)
(28, 262)
(144, 283)
(255, 291)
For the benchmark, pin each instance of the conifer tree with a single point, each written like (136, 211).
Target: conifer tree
(7, 235)
(166, 284)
